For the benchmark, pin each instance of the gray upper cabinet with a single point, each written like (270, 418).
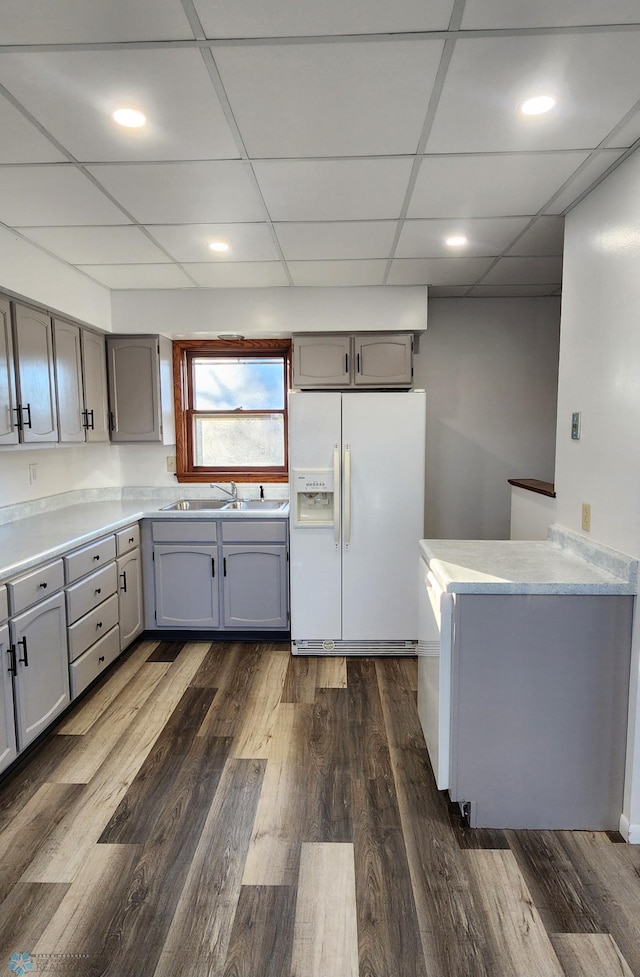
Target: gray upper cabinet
(359, 360)
(8, 399)
(36, 408)
(140, 389)
(383, 361)
(94, 376)
(81, 383)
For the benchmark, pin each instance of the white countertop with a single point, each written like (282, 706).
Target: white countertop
(30, 541)
(524, 567)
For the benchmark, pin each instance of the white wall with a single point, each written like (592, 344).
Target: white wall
(490, 370)
(59, 469)
(28, 271)
(600, 376)
(196, 313)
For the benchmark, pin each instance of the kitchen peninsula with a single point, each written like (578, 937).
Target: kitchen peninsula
(524, 677)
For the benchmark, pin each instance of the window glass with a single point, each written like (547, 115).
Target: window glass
(221, 440)
(238, 383)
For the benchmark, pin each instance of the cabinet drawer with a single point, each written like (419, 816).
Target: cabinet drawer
(36, 585)
(88, 666)
(92, 626)
(127, 539)
(84, 596)
(89, 558)
(255, 531)
(4, 604)
(184, 531)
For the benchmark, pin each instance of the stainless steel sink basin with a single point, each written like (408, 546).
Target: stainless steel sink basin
(257, 504)
(194, 505)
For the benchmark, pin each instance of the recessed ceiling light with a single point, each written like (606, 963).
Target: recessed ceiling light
(130, 118)
(538, 105)
(230, 336)
(456, 241)
(218, 246)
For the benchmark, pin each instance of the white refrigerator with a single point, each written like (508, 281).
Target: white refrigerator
(353, 557)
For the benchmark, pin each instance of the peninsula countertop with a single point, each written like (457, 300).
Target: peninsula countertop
(564, 564)
(48, 533)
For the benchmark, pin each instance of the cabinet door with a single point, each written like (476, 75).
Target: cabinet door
(68, 368)
(133, 365)
(255, 587)
(130, 597)
(186, 578)
(94, 371)
(384, 360)
(321, 361)
(8, 400)
(8, 751)
(42, 680)
(36, 381)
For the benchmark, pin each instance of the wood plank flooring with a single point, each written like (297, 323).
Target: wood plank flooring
(225, 810)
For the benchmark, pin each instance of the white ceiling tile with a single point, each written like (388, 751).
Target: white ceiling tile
(512, 291)
(584, 179)
(179, 193)
(333, 190)
(336, 239)
(489, 186)
(525, 270)
(437, 271)
(479, 14)
(489, 77)
(288, 18)
(73, 94)
(238, 274)
(138, 276)
(627, 134)
(485, 236)
(188, 242)
(73, 21)
(334, 273)
(544, 237)
(320, 99)
(45, 195)
(21, 141)
(96, 245)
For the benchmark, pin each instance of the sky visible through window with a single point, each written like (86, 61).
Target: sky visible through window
(247, 383)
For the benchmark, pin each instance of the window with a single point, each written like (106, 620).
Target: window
(231, 409)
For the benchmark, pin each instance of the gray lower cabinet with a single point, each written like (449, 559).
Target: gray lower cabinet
(8, 748)
(217, 574)
(186, 585)
(41, 680)
(254, 586)
(130, 606)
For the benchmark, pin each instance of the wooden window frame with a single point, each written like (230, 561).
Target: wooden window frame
(184, 351)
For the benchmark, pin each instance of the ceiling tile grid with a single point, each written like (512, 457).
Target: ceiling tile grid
(325, 144)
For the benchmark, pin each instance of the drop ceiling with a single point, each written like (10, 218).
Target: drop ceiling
(329, 143)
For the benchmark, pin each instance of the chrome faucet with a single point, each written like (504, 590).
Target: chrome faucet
(233, 494)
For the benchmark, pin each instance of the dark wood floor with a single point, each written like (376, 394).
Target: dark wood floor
(225, 810)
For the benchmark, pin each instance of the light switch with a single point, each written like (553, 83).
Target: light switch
(575, 426)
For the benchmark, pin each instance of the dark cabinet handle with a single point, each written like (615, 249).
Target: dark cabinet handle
(28, 410)
(90, 423)
(13, 668)
(99, 624)
(25, 660)
(43, 585)
(101, 658)
(112, 421)
(357, 362)
(224, 566)
(123, 577)
(213, 566)
(18, 412)
(346, 362)
(97, 556)
(85, 419)
(98, 590)
(132, 539)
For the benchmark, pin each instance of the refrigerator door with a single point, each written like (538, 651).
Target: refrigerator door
(315, 557)
(383, 438)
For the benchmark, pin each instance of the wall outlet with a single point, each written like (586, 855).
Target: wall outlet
(575, 426)
(586, 517)
(33, 473)
(171, 463)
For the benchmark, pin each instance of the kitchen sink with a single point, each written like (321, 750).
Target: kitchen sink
(194, 505)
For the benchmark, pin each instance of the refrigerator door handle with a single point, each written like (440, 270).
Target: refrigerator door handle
(337, 528)
(347, 496)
